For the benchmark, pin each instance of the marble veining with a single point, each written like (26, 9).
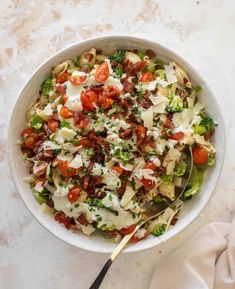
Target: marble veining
(30, 31)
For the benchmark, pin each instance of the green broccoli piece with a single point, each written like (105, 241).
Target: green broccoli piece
(46, 86)
(117, 56)
(211, 159)
(121, 154)
(64, 123)
(175, 105)
(180, 169)
(36, 121)
(141, 54)
(161, 73)
(158, 230)
(94, 202)
(150, 68)
(206, 125)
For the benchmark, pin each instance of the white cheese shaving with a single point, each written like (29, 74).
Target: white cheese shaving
(47, 110)
(151, 85)
(161, 82)
(127, 196)
(147, 117)
(170, 74)
(132, 57)
(76, 162)
(159, 103)
(50, 145)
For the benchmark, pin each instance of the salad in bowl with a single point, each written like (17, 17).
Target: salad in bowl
(107, 134)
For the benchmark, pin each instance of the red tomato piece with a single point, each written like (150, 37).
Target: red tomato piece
(177, 136)
(62, 77)
(77, 79)
(53, 124)
(81, 119)
(148, 184)
(30, 141)
(102, 73)
(27, 131)
(200, 155)
(127, 230)
(65, 112)
(73, 194)
(119, 170)
(88, 97)
(147, 76)
(151, 166)
(135, 239)
(65, 220)
(65, 169)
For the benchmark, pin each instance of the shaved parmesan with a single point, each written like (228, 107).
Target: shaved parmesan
(76, 162)
(147, 117)
(159, 103)
(47, 110)
(127, 196)
(170, 74)
(39, 187)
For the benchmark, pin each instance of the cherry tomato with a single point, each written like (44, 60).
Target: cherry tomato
(141, 132)
(177, 136)
(119, 170)
(65, 169)
(88, 97)
(77, 79)
(151, 166)
(111, 91)
(73, 194)
(135, 239)
(63, 219)
(53, 124)
(62, 77)
(148, 184)
(92, 94)
(30, 141)
(65, 112)
(200, 155)
(102, 73)
(146, 77)
(81, 119)
(128, 230)
(27, 131)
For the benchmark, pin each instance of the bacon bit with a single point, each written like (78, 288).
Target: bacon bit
(82, 220)
(120, 191)
(167, 123)
(128, 86)
(86, 180)
(137, 67)
(63, 219)
(150, 53)
(146, 103)
(84, 142)
(141, 131)
(90, 167)
(99, 50)
(174, 221)
(185, 80)
(50, 203)
(61, 88)
(126, 134)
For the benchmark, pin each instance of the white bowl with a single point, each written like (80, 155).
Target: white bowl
(96, 243)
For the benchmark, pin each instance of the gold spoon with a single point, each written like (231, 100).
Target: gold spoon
(152, 211)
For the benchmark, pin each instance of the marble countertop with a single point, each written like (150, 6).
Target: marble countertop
(31, 31)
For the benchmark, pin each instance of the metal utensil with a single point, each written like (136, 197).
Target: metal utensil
(152, 212)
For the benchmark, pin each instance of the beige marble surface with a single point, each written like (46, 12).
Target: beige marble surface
(30, 31)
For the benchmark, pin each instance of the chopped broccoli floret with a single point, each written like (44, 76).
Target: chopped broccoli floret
(180, 169)
(46, 86)
(94, 202)
(141, 54)
(194, 183)
(150, 68)
(161, 73)
(64, 123)
(211, 159)
(159, 64)
(159, 229)
(206, 125)
(36, 121)
(117, 56)
(121, 154)
(175, 105)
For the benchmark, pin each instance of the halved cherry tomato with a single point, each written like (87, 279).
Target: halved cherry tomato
(65, 112)
(88, 97)
(150, 166)
(111, 91)
(102, 73)
(53, 124)
(135, 239)
(77, 79)
(73, 194)
(30, 141)
(27, 131)
(65, 169)
(84, 142)
(106, 102)
(65, 220)
(177, 136)
(119, 170)
(62, 77)
(141, 131)
(147, 76)
(127, 230)
(81, 119)
(148, 184)
(200, 155)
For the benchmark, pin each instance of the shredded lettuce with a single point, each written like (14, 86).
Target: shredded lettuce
(36, 121)
(194, 183)
(180, 169)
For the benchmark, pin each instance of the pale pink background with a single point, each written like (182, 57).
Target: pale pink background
(30, 31)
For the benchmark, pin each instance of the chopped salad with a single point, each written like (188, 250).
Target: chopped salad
(106, 136)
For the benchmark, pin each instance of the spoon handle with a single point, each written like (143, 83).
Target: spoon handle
(116, 252)
(100, 277)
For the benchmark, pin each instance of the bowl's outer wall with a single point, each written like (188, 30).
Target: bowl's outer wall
(30, 91)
